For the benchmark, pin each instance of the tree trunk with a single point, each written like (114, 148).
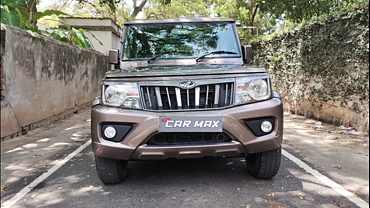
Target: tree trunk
(138, 9)
(32, 9)
(252, 15)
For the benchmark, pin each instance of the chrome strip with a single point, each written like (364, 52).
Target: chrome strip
(217, 94)
(150, 102)
(159, 98)
(232, 94)
(143, 98)
(175, 83)
(168, 97)
(178, 97)
(197, 97)
(227, 88)
(207, 96)
(187, 97)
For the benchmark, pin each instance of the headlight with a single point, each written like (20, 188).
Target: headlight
(251, 89)
(124, 95)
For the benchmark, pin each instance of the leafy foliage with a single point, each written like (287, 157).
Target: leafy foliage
(9, 16)
(112, 4)
(324, 61)
(300, 10)
(118, 10)
(15, 13)
(266, 16)
(178, 8)
(72, 35)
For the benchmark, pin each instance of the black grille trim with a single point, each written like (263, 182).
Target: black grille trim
(186, 138)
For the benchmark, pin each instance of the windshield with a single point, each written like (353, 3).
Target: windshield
(180, 40)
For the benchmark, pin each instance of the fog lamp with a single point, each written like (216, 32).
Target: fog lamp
(110, 132)
(266, 126)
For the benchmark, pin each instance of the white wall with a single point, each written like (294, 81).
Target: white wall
(104, 29)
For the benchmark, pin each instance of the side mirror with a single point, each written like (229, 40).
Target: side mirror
(247, 52)
(113, 56)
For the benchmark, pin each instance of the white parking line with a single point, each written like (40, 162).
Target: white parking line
(358, 201)
(338, 188)
(41, 178)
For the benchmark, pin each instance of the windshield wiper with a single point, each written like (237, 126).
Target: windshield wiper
(166, 52)
(214, 52)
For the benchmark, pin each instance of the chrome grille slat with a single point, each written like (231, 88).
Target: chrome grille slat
(144, 103)
(232, 93)
(159, 99)
(178, 97)
(148, 94)
(225, 100)
(207, 93)
(169, 97)
(197, 97)
(187, 97)
(217, 95)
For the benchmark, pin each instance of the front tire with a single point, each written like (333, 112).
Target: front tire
(264, 165)
(111, 171)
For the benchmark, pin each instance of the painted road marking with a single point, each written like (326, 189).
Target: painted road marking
(338, 188)
(41, 178)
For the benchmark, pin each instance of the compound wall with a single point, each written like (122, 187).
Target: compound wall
(43, 80)
(321, 69)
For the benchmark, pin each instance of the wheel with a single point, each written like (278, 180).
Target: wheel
(264, 165)
(111, 170)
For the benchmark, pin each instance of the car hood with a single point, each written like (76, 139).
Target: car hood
(181, 70)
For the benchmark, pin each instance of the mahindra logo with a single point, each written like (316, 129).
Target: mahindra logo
(187, 84)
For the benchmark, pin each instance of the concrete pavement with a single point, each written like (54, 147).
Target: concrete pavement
(41, 147)
(341, 155)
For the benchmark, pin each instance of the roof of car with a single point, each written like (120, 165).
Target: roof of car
(179, 20)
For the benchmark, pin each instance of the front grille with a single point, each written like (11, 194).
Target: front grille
(186, 138)
(174, 98)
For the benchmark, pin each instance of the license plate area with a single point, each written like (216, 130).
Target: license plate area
(190, 124)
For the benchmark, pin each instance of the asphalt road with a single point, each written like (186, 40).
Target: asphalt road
(54, 167)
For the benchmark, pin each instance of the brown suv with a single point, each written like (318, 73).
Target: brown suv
(182, 88)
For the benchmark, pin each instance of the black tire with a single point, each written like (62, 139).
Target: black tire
(264, 165)
(111, 171)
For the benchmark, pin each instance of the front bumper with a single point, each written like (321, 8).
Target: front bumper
(145, 124)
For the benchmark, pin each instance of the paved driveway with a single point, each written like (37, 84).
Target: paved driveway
(321, 163)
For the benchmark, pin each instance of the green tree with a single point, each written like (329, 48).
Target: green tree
(253, 21)
(23, 14)
(177, 8)
(72, 35)
(298, 10)
(113, 8)
(266, 15)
